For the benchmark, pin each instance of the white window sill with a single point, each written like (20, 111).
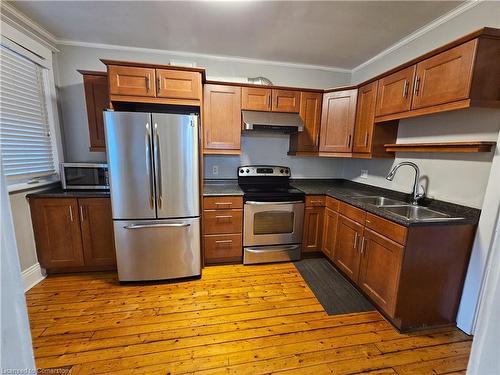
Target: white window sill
(24, 186)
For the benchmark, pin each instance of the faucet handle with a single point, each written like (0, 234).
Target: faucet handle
(422, 194)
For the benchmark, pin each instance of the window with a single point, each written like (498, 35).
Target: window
(26, 145)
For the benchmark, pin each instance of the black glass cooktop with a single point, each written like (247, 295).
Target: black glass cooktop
(270, 193)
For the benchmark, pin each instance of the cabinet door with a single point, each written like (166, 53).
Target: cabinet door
(337, 121)
(97, 100)
(379, 270)
(310, 112)
(178, 84)
(97, 231)
(313, 228)
(346, 254)
(255, 99)
(329, 232)
(223, 248)
(133, 81)
(285, 101)
(56, 227)
(222, 117)
(395, 92)
(445, 77)
(365, 116)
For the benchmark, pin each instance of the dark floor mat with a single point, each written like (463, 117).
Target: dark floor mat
(334, 292)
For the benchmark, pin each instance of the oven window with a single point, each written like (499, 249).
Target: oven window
(76, 176)
(273, 222)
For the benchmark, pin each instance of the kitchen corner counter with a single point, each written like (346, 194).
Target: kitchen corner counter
(221, 187)
(60, 193)
(349, 192)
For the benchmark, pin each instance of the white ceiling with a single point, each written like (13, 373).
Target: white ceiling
(340, 34)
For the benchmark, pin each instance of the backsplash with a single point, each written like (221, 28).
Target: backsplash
(271, 148)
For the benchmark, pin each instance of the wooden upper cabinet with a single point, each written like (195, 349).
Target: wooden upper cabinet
(310, 112)
(131, 81)
(379, 270)
(97, 101)
(348, 240)
(285, 101)
(337, 121)
(255, 99)
(56, 226)
(178, 84)
(365, 117)
(97, 231)
(221, 117)
(395, 92)
(445, 77)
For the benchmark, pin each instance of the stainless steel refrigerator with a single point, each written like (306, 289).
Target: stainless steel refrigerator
(154, 182)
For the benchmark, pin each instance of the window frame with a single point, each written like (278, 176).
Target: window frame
(41, 55)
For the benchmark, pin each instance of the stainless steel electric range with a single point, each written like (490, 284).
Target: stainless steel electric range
(273, 214)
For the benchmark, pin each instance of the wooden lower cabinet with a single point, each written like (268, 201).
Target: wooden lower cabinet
(329, 232)
(73, 234)
(97, 231)
(347, 254)
(379, 269)
(313, 229)
(222, 229)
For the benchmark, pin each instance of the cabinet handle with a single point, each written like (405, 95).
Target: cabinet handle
(366, 139)
(417, 86)
(223, 203)
(355, 240)
(147, 84)
(71, 213)
(270, 102)
(158, 80)
(81, 213)
(349, 140)
(224, 217)
(223, 242)
(363, 243)
(405, 89)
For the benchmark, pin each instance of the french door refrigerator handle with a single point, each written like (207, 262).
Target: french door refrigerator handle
(158, 225)
(157, 157)
(148, 165)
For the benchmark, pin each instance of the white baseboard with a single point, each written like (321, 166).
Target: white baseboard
(32, 276)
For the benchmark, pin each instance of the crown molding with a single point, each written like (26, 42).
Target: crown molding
(419, 32)
(28, 26)
(202, 55)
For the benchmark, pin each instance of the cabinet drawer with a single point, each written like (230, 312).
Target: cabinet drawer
(387, 228)
(223, 221)
(352, 212)
(222, 202)
(315, 201)
(223, 248)
(332, 203)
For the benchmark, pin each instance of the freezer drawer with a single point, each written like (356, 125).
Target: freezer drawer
(157, 249)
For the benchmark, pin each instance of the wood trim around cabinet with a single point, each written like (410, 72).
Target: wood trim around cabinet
(152, 100)
(464, 147)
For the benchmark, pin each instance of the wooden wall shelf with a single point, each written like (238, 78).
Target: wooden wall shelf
(477, 146)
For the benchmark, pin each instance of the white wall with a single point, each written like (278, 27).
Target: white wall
(15, 345)
(71, 94)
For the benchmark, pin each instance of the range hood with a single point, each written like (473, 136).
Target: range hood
(275, 121)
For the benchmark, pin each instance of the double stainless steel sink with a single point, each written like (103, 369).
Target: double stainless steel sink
(405, 210)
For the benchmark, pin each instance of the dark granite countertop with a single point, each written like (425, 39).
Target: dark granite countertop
(347, 191)
(60, 193)
(221, 187)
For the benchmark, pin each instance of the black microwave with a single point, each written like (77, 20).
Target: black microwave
(84, 176)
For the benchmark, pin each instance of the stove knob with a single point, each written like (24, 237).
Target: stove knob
(248, 170)
(241, 171)
(282, 171)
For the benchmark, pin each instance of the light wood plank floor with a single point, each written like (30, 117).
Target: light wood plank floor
(236, 319)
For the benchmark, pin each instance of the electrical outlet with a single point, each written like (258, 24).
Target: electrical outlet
(215, 170)
(364, 173)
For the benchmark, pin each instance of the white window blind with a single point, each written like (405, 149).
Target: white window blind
(26, 147)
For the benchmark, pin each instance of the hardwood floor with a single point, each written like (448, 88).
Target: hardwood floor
(235, 320)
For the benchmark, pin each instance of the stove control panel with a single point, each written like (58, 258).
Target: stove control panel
(263, 170)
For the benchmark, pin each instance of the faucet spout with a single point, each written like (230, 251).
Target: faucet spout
(416, 194)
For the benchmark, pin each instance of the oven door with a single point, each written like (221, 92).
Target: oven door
(273, 223)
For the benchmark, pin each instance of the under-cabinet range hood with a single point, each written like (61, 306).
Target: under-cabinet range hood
(275, 121)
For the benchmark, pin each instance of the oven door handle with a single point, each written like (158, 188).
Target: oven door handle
(254, 203)
(274, 248)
